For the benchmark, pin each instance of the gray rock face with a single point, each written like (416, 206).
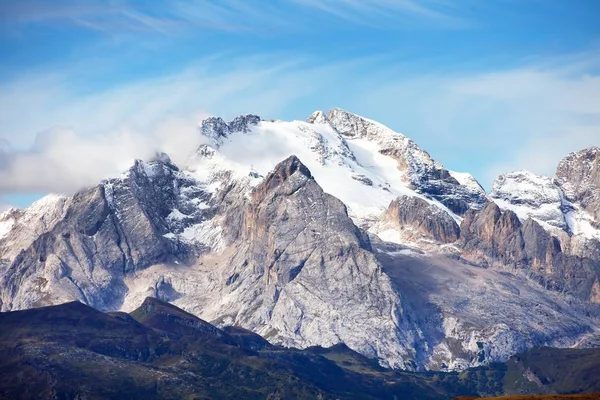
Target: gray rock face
(361, 178)
(578, 175)
(413, 215)
(242, 123)
(498, 238)
(106, 232)
(217, 129)
(472, 316)
(23, 227)
(422, 173)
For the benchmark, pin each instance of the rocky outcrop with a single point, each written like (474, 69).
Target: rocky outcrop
(578, 175)
(243, 123)
(493, 234)
(492, 237)
(217, 129)
(415, 219)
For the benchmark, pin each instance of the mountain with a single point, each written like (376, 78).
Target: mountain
(326, 231)
(158, 351)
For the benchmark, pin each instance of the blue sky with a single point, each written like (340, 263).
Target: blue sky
(484, 86)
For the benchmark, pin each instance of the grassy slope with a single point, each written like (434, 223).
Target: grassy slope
(553, 371)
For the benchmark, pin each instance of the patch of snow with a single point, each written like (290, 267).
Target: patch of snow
(467, 180)
(580, 223)
(207, 233)
(6, 224)
(176, 215)
(390, 235)
(525, 187)
(405, 252)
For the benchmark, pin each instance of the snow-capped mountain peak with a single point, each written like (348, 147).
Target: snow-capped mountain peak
(568, 203)
(360, 161)
(317, 117)
(525, 187)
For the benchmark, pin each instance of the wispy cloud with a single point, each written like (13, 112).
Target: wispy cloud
(116, 17)
(385, 11)
(34, 102)
(177, 16)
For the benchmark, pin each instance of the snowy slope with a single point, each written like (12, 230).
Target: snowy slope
(530, 196)
(467, 180)
(540, 198)
(7, 220)
(331, 160)
(365, 171)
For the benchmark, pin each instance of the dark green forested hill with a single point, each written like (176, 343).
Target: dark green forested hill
(72, 351)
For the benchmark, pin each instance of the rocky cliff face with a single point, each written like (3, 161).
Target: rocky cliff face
(299, 254)
(498, 238)
(103, 234)
(414, 220)
(578, 175)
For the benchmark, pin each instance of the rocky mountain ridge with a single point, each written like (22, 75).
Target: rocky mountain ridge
(314, 233)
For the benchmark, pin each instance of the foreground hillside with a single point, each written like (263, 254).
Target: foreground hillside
(158, 351)
(585, 396)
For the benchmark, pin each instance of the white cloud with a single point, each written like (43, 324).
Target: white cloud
(63, 140)
(485, 123)
(63, 161)
(35, 102)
